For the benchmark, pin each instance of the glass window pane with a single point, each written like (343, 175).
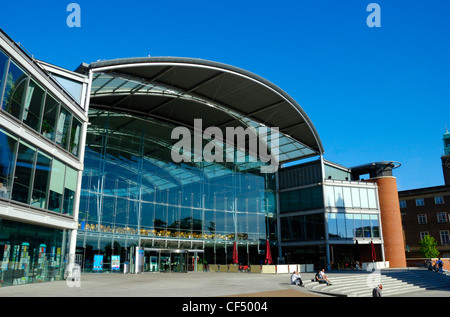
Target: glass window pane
(62, 130)
(366, 226)
(23, 173)
(70, 185)
(41, 181)
(375, 226)
(332, 226)
(16, 82)
(355, 198)
(329, 199)
(75, 137)
(364, 199)
(3, 66)
(56, 185)
(358, 226)
(49, 118)
(341, 225)
(339, 197)
(8, 145)
(372, 199)
(33, 105)
(349, 225)
(347, 197)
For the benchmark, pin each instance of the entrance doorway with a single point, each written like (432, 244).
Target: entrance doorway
(159, 260)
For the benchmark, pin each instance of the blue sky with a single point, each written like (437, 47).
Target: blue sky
(373, 94)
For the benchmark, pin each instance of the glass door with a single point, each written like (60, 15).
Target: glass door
(179, 262)
(164, 261)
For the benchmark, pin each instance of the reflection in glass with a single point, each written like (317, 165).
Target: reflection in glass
(375, 226)
(75, 137)
(41, 181)
(62, 130)
(128, 158)
(3, 67)
(349, 226)
(33, 105)
(8, 145)
(15, 88)
(56, 186)
(70, 184)
(49, 118)
(23, 173)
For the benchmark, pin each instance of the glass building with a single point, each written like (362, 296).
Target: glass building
(41, 137)
(327, 217)
(184, 214)
(164, 164)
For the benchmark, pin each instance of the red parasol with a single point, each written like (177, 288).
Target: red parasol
(373, 254)
(268, 253)
(235, 255)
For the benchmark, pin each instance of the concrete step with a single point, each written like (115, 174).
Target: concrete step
(360, 284)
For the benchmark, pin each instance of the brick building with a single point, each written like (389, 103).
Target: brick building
(426, 211)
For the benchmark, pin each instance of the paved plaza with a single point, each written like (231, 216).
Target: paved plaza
(193, 284)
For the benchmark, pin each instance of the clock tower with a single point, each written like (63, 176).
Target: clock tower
(446, 157)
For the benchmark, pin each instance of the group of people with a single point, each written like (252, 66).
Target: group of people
(438, 266)
(321, 277)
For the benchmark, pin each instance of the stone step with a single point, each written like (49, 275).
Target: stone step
(360, 284)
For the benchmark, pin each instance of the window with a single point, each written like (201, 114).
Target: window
(33, 105)
(420, 202)
(423, 234)
(402, 204)
(75, 137)
(51, 109)
(445, 239)
(8, 144)
(56, 186)
(439, 200)
(70, 184)
(41, 181)
(422, 219)
(23, 173)
(3, 64)
(442, 217)
(15, 89)
(63, 128)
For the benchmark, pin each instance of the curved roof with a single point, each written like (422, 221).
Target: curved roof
(179, 90)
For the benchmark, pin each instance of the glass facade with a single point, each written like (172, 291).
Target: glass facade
(303, 228)
(37, 178)
(30, 254)
(29, 175)
(351, 226)
(27, 101)
(132, 188)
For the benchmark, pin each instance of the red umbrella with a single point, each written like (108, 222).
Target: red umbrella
(268, 254)
(373, 254)
(235, 255)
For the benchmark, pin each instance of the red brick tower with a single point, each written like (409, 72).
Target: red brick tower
(391, 221)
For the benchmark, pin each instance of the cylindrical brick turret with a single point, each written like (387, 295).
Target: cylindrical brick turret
(391, 221)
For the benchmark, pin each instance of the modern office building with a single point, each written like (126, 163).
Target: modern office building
(164, 164)
(42, 122)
